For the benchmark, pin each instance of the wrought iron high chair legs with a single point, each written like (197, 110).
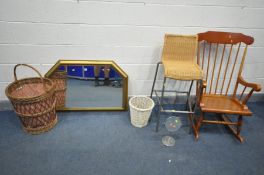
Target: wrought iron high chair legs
(189, 109)
(160, 104)
(155, 78)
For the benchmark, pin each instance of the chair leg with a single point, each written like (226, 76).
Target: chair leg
(160, 105)
(190, 118)
(188, 97)
(188, 107)
(153, 85)
(152, 89)
(198, 125)
(194, 109)
(239, 126)
(158, 119)
(236, 131)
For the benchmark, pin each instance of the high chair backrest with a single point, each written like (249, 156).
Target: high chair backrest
(222, 55)
(181, 48)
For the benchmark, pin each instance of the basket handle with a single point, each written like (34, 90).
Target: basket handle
(15, 75)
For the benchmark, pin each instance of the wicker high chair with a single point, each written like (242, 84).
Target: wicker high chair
(222, 55)
(179, 61)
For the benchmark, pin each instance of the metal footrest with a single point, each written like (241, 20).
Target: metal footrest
(179, 112)
(174, 111)
(185, 92)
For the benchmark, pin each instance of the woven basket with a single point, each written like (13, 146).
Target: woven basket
(140, 110)
(59, 81)
(34, 102)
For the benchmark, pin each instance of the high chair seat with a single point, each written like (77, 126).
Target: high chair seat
(182, 71)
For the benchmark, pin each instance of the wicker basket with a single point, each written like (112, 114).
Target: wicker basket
(140, 110)
(59, 81)
(34, 102)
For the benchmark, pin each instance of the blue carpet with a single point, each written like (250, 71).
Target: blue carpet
(106, 143)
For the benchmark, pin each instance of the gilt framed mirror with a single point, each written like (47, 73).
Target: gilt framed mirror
(89, 85)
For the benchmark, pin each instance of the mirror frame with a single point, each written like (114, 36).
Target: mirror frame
(94, 62)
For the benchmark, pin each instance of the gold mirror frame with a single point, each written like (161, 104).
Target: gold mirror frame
(94, 62)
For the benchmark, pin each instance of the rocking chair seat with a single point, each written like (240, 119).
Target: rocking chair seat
(223, 104)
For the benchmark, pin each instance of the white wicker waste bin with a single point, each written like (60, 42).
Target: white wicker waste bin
(140, 110)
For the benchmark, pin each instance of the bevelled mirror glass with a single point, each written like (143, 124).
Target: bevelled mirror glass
(89, 85)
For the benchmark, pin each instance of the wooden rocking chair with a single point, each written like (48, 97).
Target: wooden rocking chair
(222, 55)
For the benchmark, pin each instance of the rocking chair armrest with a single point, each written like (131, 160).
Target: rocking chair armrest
(256, 87)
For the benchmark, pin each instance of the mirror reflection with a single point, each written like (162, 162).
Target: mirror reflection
(93, 86)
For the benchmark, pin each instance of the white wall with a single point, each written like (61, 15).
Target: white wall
(130, 32)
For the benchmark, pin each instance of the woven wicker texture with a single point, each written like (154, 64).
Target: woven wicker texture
(140, 110)
(178, 57)
(60, 83)
(34, 101)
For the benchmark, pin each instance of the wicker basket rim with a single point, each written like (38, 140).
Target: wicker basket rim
(25, 79)
(59, 75)
(140, 109)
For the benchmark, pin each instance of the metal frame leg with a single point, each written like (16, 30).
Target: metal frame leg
(198, 95)
(154, 82)
(160, 105)
(152, 89)
(188, 97)
(189, 107)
